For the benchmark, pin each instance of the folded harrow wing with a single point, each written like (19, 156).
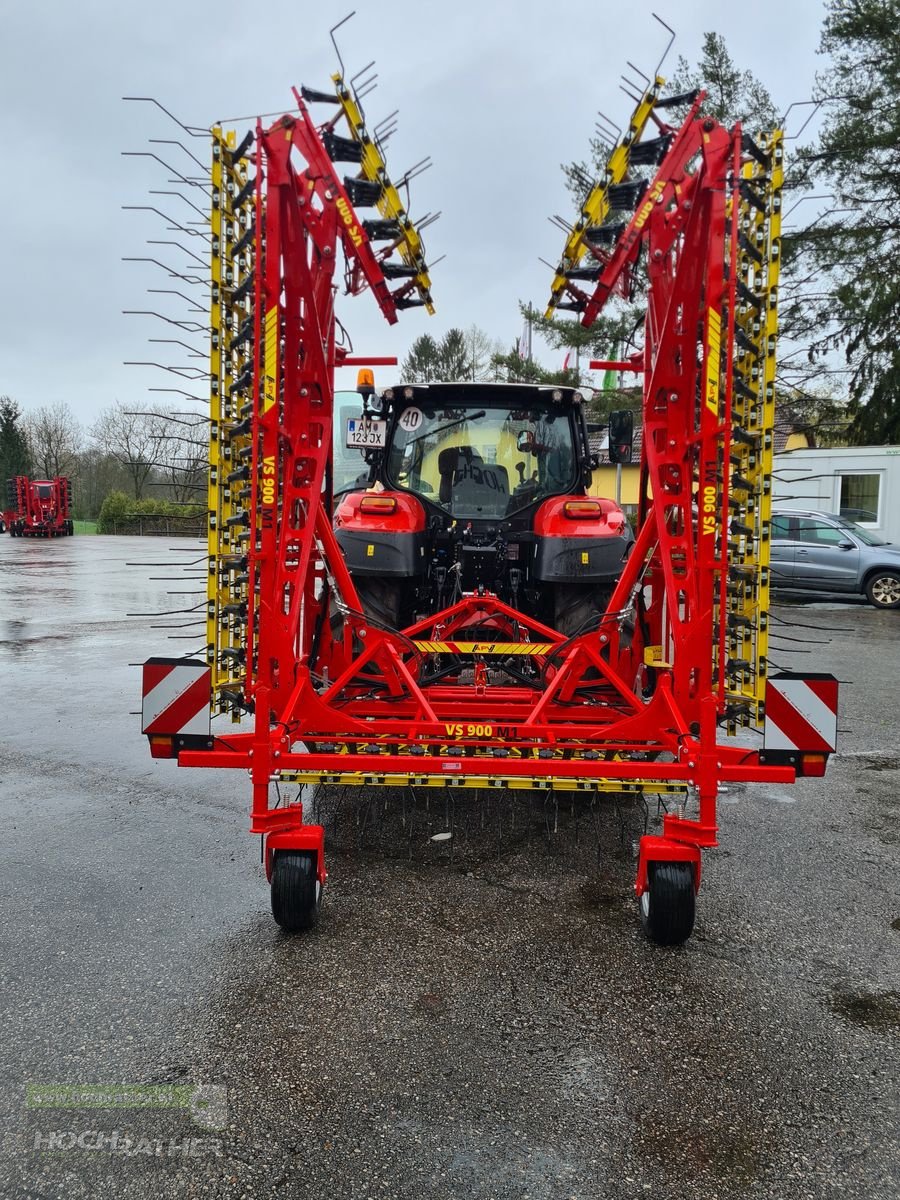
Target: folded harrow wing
(481, 693)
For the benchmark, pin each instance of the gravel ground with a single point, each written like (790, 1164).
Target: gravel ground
(492, 1024)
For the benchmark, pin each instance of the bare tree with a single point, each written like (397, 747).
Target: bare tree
(54, 439)
(95, 475)
(182, 453)
(130, 436)
(481, 349)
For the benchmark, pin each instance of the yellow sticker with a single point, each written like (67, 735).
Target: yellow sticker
(370, 551)
(585, 557)
(713, 356)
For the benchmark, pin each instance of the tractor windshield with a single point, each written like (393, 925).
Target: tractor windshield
(482, 461)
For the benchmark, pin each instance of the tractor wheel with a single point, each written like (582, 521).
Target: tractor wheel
(668, 904)
(883, 589)
(578, 607)
(296, 890)
(381, 599)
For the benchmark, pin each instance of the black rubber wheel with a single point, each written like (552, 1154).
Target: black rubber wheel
(296, 891)
(883, 589)
(578, 607)
(381, 598)
(668, 904)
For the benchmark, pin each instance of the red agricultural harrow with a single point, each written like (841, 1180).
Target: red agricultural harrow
(480, 694)
(40, 508)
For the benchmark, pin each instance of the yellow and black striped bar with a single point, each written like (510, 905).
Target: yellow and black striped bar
(512, 782)
(486, 649)
(596, 207)
(388, 202)
(232, 224)
(753, 411)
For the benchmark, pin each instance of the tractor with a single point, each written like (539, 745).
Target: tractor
(475, 488)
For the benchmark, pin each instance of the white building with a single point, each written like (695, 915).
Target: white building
(860, 482)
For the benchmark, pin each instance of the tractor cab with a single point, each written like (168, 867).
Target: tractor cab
(478, 486)
(484, 458)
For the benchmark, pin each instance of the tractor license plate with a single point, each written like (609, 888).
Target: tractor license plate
(364, 433)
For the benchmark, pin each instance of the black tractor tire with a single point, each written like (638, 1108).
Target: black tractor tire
(381, 598)
(578, 607)
(296, 891)
(669, 903)
(883, 589)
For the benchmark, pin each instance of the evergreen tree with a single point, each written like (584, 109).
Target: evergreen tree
(421, 364)
(457, 356)
(453, 357)
(732, 94)
(856, 246)
(15, 458)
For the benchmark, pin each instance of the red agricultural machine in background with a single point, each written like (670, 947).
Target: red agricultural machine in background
(505, 658)
(39, 507)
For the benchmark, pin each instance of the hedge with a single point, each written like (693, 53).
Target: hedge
(120, 513)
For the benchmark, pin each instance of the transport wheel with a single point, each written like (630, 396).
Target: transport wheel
(668, 904)
(380, 599)
(296, 891)
(883, 589)
(577, 607)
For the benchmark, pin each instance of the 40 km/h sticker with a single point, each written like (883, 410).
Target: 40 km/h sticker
(410, 419)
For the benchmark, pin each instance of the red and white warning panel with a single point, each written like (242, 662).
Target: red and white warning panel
(801, 721)
(175, 703)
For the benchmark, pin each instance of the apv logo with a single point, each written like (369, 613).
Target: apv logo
(349, 220)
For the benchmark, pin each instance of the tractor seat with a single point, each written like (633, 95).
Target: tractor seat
(470, 481)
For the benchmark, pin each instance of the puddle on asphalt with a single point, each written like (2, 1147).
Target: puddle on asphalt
(883, 763)
(728, 1149)
(872, 1010)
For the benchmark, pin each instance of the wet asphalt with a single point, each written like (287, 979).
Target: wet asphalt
(478, 1017)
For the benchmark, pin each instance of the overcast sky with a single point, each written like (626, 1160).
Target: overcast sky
(499, 94)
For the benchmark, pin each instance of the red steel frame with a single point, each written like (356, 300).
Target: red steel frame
(353, 698)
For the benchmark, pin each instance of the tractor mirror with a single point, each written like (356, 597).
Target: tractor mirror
(621, 436)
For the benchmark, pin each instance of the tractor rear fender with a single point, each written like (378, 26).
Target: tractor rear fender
(382, 533)
(579, 539)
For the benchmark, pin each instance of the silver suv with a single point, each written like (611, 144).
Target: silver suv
(819, 552)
